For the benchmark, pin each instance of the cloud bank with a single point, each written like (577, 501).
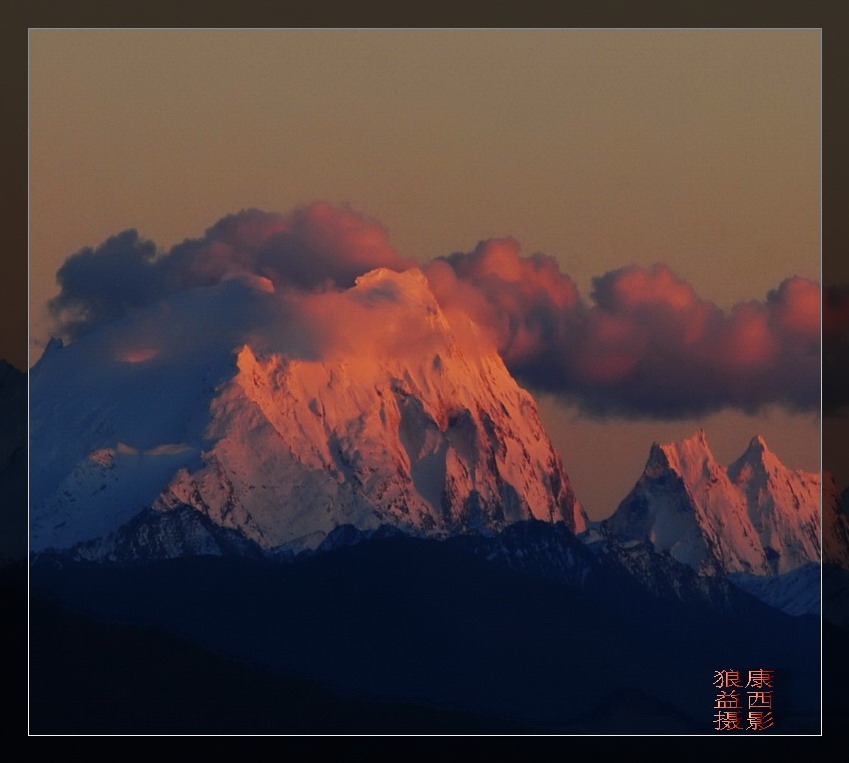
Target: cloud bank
(314, 248)
(643, 344)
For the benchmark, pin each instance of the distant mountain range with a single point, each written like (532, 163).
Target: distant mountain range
(755, 516)
(400, 526)
(755, 523)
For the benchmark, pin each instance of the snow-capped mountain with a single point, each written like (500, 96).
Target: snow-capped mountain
(754, 516)
(433, 436)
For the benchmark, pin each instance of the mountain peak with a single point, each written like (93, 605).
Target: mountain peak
(754, 516)
(383, 417)
(378, 275)
(658, 459)
(758, 447)
(410, 285)
(757, 459)
(695, 442)
(51, 348)
(689, 456)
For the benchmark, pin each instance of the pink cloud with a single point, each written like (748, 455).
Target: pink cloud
(643, 344)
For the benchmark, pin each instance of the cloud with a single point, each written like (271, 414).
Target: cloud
(642, 344)
(103, 284)
(645, 344)
(524, 302)
(314, 247)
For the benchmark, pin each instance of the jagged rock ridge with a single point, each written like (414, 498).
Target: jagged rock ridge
(754, 516)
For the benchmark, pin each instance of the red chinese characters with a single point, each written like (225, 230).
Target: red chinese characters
(744, 706)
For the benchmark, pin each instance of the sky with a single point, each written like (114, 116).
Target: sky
(634, 215)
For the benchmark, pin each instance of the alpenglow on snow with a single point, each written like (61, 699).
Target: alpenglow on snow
(411, 421)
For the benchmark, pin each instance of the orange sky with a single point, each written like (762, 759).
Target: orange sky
(606, 148)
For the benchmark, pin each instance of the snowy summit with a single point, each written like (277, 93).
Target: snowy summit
(402, 419)
(754, 516)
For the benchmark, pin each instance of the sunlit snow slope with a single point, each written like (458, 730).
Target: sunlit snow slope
(754, 516)
(425, 430)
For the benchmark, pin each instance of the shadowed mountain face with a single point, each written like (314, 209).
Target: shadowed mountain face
(401, 620)
(93, 677)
